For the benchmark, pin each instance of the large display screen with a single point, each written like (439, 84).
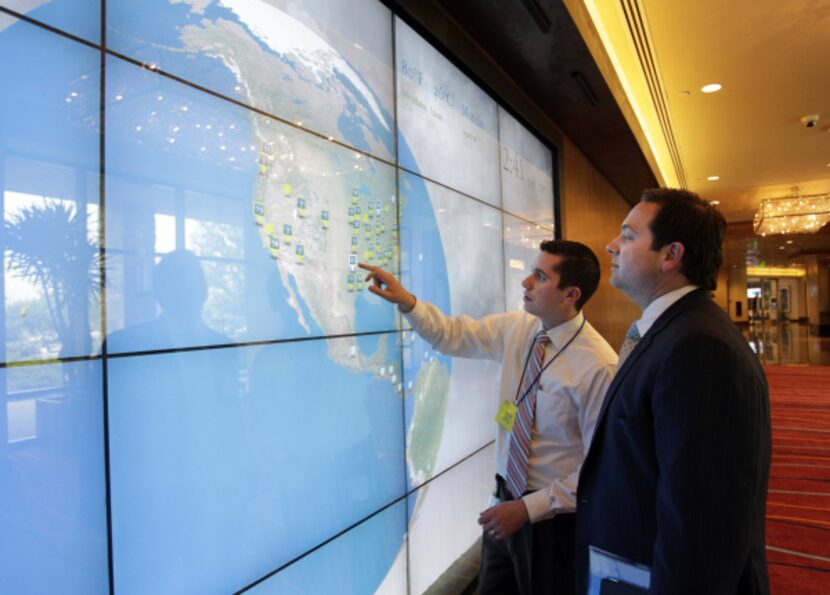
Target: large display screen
(199, 394)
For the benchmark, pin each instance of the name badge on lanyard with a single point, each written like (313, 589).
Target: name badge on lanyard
(506, 415)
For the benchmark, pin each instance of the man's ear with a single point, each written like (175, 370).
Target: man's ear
(672, 257)
(572, 294)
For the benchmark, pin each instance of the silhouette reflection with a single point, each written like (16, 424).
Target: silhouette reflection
(179, 322)
(177, 446)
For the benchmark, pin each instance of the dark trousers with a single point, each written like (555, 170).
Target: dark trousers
(539, 559)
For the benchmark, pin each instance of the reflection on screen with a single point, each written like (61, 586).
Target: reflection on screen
(452, 499)
(521, 244)
(199, 393)
(50, 163)
(245, 446)
(450, 242)
(259, 199)
(53, 523)
(363, 560)
(526, 172)
(323, 65)
(448, 125)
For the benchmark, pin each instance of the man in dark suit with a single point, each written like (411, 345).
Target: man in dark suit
(676, 476)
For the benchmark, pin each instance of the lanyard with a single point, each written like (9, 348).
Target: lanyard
(539, 375)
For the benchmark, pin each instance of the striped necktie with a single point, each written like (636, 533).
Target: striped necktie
(523, 427)
(630, 342)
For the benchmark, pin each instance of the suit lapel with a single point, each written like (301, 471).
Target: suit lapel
(687, 301)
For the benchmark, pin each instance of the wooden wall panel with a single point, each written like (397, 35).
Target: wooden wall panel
(721, 294)
(592, 212)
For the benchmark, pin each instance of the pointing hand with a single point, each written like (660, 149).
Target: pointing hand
(385, 285)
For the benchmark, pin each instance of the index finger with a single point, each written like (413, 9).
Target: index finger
(367, 267)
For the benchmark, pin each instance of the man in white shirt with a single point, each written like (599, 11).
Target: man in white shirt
(676, 476)
(555, 371)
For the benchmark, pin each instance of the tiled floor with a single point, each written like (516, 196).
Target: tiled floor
(787, 343)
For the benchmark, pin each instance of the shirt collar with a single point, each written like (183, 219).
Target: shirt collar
(562, 333)
(660, 305)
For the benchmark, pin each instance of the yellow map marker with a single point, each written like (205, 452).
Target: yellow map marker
(264, 164)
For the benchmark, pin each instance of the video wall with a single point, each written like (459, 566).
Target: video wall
(199, 394)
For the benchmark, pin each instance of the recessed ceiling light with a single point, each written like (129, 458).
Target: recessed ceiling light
(712, 88)
(714, 202)
(713, 178)
(789, 241)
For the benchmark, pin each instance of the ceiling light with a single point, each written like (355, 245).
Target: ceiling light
(775, 272)
(712, 88)
(714, 202)
(713, 178)
(795, 214)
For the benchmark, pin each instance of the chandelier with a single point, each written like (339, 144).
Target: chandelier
(795, 214)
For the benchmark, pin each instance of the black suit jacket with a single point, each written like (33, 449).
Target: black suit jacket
(676, 475)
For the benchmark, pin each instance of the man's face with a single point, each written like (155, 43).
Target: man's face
(635, 267)
(542, 296)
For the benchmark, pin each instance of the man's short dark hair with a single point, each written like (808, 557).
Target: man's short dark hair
(579, 267)
(686, 218)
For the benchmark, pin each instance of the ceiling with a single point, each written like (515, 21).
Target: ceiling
(622, 79)
(743, 246)
(773, 60)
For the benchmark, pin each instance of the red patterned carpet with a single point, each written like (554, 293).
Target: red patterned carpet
(798, 506)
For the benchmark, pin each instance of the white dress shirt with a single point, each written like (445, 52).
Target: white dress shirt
(660, 305)
(568, 400)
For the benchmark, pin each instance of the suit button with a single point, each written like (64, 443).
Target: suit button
(583, 501)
